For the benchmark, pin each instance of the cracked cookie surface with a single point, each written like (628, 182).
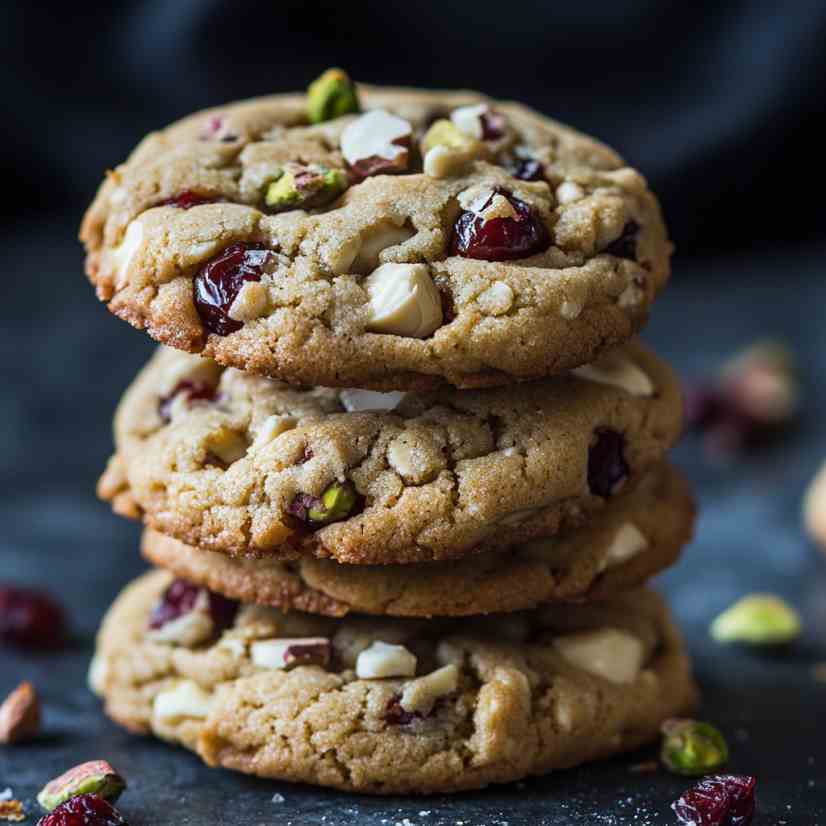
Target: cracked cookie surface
(244, 465)
(634, 537)
(201, 186)
(399, 706)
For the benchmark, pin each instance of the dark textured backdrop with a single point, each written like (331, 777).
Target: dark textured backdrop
(721, 106)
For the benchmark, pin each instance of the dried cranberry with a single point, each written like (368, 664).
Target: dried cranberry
(607, 468)
(493, 125)
(526, 169)
(395, 715)
(187, 199)
(719, 800)
(626, 245)
(193, 390)
(219, 281)
(180, 598)
(84, 810)
(30, 618)
(500, 239)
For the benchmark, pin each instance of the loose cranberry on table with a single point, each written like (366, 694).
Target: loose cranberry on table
(84, 810)
(500, 239)
(607, 468)
(718, 800)
(181, 597)
(192, 390)
(30, 618)
(219, 281)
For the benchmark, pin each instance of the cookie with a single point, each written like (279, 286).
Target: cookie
(340, 254)
(634, 537)
(244, 465)
(397, 706)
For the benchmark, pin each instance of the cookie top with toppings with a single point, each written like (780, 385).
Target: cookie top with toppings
(237, 463)
(428, 237)
(637, 535)
(396, 706)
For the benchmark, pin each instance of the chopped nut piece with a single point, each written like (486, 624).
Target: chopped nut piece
(250, 303)
(125, 251)
(404, 301)
(383, 660)
(335, 504)
(610, 653)
(617, 371)
(421, 695)
(331, 96)
(377, 143)
(287, 653)
(446, 149)
(96, 777)
(185, 700)
(758, 619)
(305, 186)
(12, 811)
(479, 121)
(692, 748)
(20, 715)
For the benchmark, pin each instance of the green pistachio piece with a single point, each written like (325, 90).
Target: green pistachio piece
(758, 619)
(692, 748)
(304, 186)
(96, 777)
(446, 133)
(336, 503)
(331, 96)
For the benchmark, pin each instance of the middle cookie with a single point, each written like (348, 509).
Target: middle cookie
(244, 465)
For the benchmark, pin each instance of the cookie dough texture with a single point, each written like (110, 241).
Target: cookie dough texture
(633, 538)
(438, 476)
(310, 323)
(520, 703)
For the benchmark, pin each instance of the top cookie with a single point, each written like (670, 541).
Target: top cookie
(438, 237)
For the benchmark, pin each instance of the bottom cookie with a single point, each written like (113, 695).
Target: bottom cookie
(385, 706)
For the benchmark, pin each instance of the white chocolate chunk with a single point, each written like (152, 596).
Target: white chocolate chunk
(568, 192)
(250, 303)
(186, 700)
(356, 400)
(384, 660)
(628, 542)
(496, 299)
(404, 301)
(377, 239)
(127, 248)
(372, 136)
(271, 428)
(421, 695)
(443, 161)
(610, 653)
(228, 445)
(286, 653)
(617, 371)
(188, 630)
(468, 119)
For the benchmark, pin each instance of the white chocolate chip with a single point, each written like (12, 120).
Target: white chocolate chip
(443, 161)
(616, 370)
(125, 251)
(496, 299)
(186, 700)
(339, 258)
(570, 310)
(271, 428)
(228, 445)
(404, 301)
(468, 119)
(356, 400)
(627, 543)
(610, 653)
(250, 303)
(375, 240)
(98, 674)
(383, 660)
(372, 136)
(286, 653)
(401, 456)
(568, 192)
(421, 695)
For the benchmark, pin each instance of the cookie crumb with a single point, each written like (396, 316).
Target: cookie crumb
(819, 672)
(279, 798)
(11, 810)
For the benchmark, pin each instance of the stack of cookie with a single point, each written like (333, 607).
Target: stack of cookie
(404, 500)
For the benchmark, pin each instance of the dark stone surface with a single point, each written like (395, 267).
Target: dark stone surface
(65, 361)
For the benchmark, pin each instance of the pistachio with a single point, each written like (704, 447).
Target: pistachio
(96, 777)
(331, 96)
(20, 715)
(304, 186)
(335, 504)
(692, 748)
(757, 619)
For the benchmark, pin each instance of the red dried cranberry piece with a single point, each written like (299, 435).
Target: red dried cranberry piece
(187, 199)
(527, 169)
(30, 619)
(500, 239)
(181, 597)
(84, 810)
(719, 800)
(607, 468)
(219, 281)
(193, 390)
(626, 245)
